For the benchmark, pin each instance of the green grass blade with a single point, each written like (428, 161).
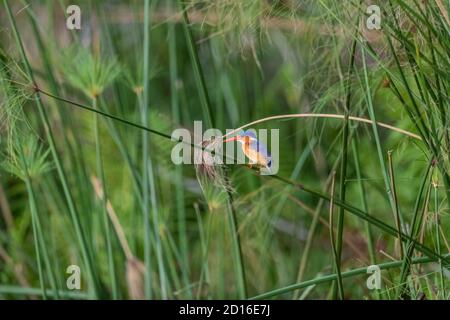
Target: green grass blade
(148, 183)
(83, 245)
(198, 71)
(333, 277)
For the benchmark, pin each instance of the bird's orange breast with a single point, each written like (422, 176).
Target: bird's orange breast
(255, 156)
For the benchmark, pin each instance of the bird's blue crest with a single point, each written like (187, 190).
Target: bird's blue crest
(248, 133)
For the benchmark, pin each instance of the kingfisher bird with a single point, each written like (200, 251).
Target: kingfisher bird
(253, 149)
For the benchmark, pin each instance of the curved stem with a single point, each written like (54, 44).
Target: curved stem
(276, 117)
(324, 115)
